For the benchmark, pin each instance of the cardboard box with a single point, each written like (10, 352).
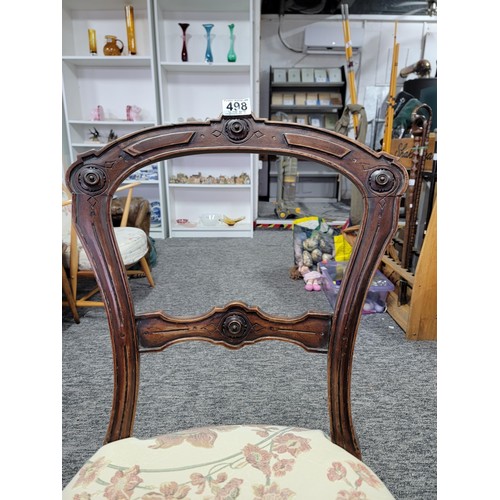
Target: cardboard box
(403, 149)
(316, 120)
(311, 99)
(277, 99)
(294, 75)
(320, 76)
(279, 75)
(300, 98)
(288, 99)
(330, 121)
(336, 98)
(334, 75)
(302, 119)
(324, 99)
(307, 75)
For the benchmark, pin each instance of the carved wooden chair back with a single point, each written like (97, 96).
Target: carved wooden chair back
(96, 175)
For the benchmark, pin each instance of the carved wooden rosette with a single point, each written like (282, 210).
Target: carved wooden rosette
(95, 176)
(234, 326)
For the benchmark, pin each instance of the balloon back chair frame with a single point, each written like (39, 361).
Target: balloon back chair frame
(95, 176)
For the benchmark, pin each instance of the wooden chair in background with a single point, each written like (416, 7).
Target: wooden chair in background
(234, 460)
(132, 242)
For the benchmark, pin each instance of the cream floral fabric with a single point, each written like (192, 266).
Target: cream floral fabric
(219, 463)
(132, 242)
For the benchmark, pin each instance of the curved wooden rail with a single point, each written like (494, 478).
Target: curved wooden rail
(96, 175)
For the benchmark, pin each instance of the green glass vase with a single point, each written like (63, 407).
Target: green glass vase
(231, 55)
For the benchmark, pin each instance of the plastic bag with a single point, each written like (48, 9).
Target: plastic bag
(315, 241)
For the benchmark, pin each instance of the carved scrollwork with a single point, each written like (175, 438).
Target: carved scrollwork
(236, 129)
(382, 180)
(235, 326)
(92, 179)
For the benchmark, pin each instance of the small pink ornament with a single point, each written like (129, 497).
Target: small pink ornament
(97, 114)
(133, 113)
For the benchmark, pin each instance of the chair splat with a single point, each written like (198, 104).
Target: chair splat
(234, 326)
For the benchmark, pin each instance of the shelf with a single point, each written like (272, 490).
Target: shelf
(168, 91)
(108, 61)
(194, 7)
(143, 182)
(240, 230)
(306, 85)
(209, 186)
(203, 66)
(332, 174)
(126, 123)
(305, 109)
(88, 145)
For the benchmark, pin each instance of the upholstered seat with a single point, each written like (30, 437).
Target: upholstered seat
(133, 243)
(253, 461)
(247, 462)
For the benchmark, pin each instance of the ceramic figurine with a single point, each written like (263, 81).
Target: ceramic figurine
(133, 113)
(97, 114)
(112, 136)
(94, 135)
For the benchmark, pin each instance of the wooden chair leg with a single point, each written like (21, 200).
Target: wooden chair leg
(69, 296)
(147, 271)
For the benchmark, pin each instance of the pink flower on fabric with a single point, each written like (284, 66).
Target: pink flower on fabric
(290, 443)
(230, 491)
(167, 441)
(123, 484)
(272, 492)
(365, 474)
(199, 480)
(264, 430)
(89, 472)
(168, 491)
(336, 472)
(260, 459)
(351, 495)
(281, 467)
(201, 438)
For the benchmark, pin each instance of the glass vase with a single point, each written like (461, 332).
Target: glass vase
(92, 42)
(184, 53)
(208, 52)
(231, 55)
(129, 18)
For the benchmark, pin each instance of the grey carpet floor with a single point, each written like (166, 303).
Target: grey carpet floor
(193, 384)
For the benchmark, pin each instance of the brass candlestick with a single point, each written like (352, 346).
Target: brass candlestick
(129, 16)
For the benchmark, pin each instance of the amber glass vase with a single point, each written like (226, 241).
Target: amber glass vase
(92, 42)
(129, 18)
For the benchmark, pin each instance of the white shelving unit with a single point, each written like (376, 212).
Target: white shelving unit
(195, 90)
(167, 90)
(190, 200)
(113, 82)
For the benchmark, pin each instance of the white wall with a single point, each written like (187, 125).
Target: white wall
(416, 35)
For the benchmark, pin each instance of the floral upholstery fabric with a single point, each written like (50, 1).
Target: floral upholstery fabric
(132, 242)
(217, 463)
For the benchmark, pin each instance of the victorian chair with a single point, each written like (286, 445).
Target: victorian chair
(234, 460)
(132, 242)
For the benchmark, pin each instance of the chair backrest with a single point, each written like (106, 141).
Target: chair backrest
(96, 175)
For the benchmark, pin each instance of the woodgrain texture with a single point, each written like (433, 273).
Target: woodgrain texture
(95, 176)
